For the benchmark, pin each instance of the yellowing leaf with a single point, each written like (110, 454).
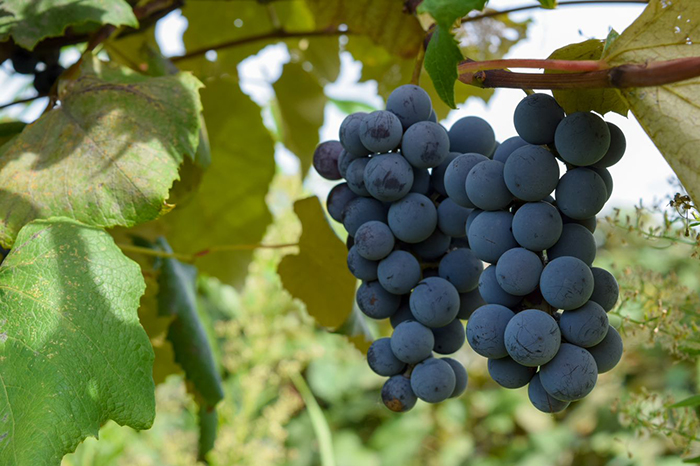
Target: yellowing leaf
(318, 275)
(107, 155)
(586, 100)
(385, 22)
(670, 114)
(301, 101)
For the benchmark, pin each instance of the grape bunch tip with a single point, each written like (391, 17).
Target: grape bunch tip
(446, 226)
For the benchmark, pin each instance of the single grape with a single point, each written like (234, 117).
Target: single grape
(338, 198)
(362, 210)
(582, 138)
(509, 374)
(397, 394)
(605, 175)
(433, 116)
(24, 61)
(605, 288)
(537, 226)
(566, 283)
(485, 330)
(425, 144)
(456, 177)
(575, 241)
(491, 234)
(326, 159)
(542, 400)
(532, 338)
(399, 272)
(618, 144)
(433, 248)
(361, 268)
(421, 181)
(581, 193)
(491, 291)
(461, 268)
(410, 104)
(349, 135)
(585, 326)
(434, 302)
(413, 219)
(507, 147)
(571, 375)
(518, 271)
(402, 314)
(468, 303)
(375, 302)
(412, 342)
(374, 240)
(382, 360)
(437, 174)
(536, 118)
(608, 352)
(388, 177)
(433, 380)
(450, 338)
(472, 134)
(381, 131)
(452, 218)
(345, 158)
(459, 243)
(531, 173)
(460, 376)
(486, 188)
(355, 176)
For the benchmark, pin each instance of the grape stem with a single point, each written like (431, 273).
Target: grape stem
(192, 257)
(483, 74)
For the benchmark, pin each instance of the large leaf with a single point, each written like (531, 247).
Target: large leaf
(193, 352)
(445, 12)
(669, 114)
(586, 100)
(72, 352)
(441, 59)
(106, 156)
(28, 22)
(229, 207)
(318, 275)
(385, 22)
(300, 100)
(10, 129)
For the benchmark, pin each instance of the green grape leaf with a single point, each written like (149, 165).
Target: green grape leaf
(229, 206)
(549, 4)
(208, 426)
(441, 59)
(694, 460)
(446, 12)
(73, 353)
(193, 352)
(689, 402)
(10, 129)
(318, 275)
(670, 114)
(385, 23)
(586, 100)
(29, 22)
(300, 100)
(106, 156)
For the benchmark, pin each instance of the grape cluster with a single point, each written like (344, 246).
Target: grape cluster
(26, 62)
(546, 305)
(425, 208)
(407, 239)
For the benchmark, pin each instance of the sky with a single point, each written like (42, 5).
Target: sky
(642, 173)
